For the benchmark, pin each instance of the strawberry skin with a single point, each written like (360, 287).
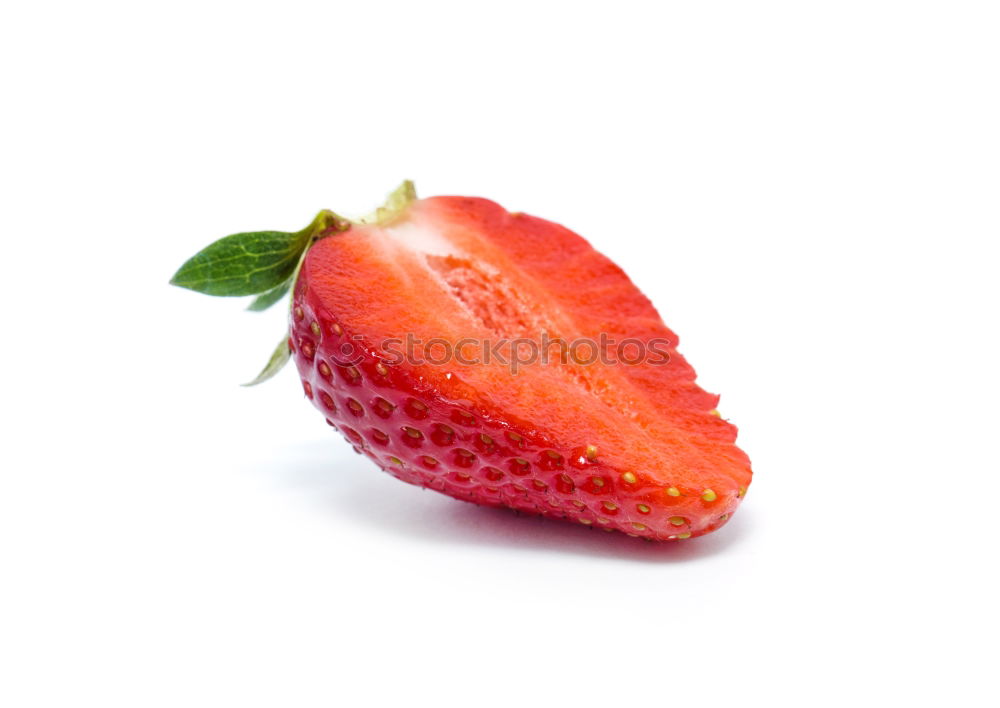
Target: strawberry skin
(634, 448)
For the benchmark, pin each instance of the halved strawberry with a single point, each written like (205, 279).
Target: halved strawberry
(406, 328)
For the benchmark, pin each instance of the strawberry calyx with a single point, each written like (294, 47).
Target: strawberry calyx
(394, 206)
(266, 264)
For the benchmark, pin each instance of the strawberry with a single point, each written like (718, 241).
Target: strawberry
(495, 357)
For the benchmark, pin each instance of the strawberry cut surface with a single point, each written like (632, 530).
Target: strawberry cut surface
(404, 333)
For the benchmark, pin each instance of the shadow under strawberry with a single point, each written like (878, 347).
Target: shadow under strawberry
(343, 485)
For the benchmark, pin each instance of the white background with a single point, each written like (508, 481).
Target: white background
(809, 193)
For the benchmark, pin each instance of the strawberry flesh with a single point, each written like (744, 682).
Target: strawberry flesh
(635, 448)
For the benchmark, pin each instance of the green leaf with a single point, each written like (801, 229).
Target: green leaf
(243, 264)
(255, 262)
(401, 197)
(265, 300)
(277, 361)
(395, 205)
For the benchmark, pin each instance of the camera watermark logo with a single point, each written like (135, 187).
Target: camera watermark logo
(514, 354)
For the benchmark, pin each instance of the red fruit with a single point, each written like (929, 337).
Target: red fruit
(636, 448)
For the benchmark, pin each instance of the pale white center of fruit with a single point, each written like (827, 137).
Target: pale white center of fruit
(420, 238)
